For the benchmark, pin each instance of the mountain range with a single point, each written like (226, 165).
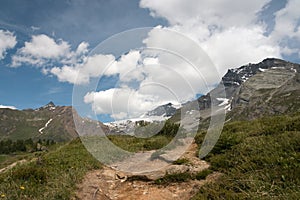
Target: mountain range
(267, 88)
(254, 90)
(47, 122)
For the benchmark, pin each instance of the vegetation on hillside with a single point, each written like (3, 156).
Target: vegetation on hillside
(52, 175)
(259, 159)
(9, 146)
(163, 135)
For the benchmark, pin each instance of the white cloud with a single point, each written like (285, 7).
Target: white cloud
(7, 41)
(237, 46)
(122, 102)
(43, 50)
(126, 66)
(287, 28)
(98, 65)
(287, 21)
(80, 73)
(225, 13)
(177, 69)
(10, 107)
(166, 72)
(229, 31)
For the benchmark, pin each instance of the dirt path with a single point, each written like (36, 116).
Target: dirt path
(109, 184)
(12, 165)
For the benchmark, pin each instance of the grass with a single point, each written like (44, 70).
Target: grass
(203, 174)
(8, 159)
(3, 158)
(134, 144)
(181, 161)
(182, 177)
(171, 178)
(259, 159)
(54, 177)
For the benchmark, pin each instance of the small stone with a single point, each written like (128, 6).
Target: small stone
(145, 192)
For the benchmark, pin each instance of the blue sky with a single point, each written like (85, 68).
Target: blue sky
(73, 21)
(230, 32)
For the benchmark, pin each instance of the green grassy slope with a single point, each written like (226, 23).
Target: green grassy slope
(53, 177)
(259, 159)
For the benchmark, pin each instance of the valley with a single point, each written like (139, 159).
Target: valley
(256, 156)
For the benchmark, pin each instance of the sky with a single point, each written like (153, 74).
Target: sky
(76, 52)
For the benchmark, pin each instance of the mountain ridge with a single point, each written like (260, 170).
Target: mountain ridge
(253, 90)
(234, 82)
(46, 122)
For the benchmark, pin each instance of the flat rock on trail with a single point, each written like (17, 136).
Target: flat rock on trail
(110, 184)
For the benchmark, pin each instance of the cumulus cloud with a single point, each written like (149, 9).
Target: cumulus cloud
(229, 31)
(223, 14)
(287, 28)
(42, 50)
(123, 102)
(80, 73)
(236, 46)
(163, 72)
(7, 41)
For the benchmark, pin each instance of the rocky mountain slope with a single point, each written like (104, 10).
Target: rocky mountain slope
(254, 90)
(46, 122)
(166, 110)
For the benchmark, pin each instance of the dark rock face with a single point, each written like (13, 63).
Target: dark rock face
(166, 110)
(256, 89)
(273, 91)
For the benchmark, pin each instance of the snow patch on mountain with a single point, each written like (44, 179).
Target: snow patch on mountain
(47, 123)
(223, 101)
(159, 114)
(9, 107)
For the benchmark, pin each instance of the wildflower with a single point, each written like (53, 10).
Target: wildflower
(22, 187)
(2, 195)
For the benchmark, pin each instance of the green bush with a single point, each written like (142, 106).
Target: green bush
(30, 172)
(171, 178)
(181, 161)
(203, 174)
(169, 129)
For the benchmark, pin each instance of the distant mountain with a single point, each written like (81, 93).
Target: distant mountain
(274, 90)
(254, 90)
(267, 88)
(166, 110)
(46, 122)
(128, 126)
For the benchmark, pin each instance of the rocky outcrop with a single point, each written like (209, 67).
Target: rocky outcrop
(254, 90)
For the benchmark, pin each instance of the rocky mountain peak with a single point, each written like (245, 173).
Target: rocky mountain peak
(166, 110)
(259, 86)
(48, 106)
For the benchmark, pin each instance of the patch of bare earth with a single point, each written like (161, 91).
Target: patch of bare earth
(110, 184)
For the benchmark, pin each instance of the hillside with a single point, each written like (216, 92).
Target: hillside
(47, 122)
(256, 157)
(271, 87)
(259, 159)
